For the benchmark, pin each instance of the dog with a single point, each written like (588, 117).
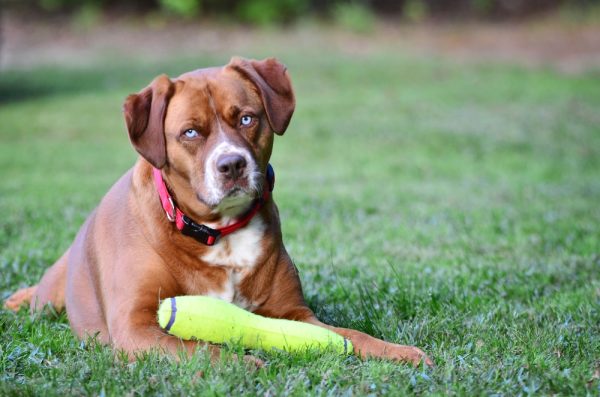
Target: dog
(194, 216)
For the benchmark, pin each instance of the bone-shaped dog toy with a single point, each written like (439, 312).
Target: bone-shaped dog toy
(216, 321)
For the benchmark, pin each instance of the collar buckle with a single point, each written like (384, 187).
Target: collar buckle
(201, 233)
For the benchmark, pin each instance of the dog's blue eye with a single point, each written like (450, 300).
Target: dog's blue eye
(191, 133)
(246, 120)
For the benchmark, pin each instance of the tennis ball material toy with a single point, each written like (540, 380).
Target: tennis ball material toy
(216, 321)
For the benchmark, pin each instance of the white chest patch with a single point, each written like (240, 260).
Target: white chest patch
(229, 292)
(240, 249)
(238, 252)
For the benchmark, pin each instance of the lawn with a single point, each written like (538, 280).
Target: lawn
(453, 206)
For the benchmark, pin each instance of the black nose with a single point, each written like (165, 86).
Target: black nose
(231, 165)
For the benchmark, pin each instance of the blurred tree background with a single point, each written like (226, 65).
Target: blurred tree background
(265, 12)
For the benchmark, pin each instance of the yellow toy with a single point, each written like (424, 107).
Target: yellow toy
(216, 321)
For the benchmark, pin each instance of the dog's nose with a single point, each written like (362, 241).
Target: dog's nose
(231, 165)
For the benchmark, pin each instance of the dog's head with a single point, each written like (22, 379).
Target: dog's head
(211, 131)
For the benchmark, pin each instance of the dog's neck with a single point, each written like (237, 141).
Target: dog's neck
(204, 233)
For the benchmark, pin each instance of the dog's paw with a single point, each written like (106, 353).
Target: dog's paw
(407, 354)
(20, 298)
(252, 361)
(375, 348)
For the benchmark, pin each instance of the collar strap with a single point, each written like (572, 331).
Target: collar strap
(203, 233)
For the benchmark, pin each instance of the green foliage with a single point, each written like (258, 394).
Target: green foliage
(354, 16)
(87, 16)
(54, 5)
(184, 8)
(482, 6)
(268, 12)
(415, 10)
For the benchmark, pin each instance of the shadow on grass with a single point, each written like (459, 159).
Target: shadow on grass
(22, 85)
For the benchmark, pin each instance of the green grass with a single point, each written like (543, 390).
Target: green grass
(453, 207)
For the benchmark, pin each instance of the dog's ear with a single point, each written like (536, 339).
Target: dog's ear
(274, 86)
(145, 118)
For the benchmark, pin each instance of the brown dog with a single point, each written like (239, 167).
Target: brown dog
(205, 139)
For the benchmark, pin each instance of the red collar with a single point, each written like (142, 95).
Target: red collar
(203, 233)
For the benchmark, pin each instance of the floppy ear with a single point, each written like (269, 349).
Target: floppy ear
(145, 119)
(274, 86)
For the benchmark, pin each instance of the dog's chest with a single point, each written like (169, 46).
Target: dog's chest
(237, 254)
(241, 249)
(229, 289)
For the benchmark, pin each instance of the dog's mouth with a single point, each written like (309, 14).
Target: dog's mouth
(236, 191)
(232, 199)
(235, 202)
(228, 195)
(235, 187)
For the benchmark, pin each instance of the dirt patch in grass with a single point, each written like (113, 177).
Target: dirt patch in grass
(562, 45)
(568, 48)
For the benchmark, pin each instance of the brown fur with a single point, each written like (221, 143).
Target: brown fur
(127, 256)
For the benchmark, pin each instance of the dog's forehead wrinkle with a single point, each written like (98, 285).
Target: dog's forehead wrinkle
(213, 107)
(226, 95)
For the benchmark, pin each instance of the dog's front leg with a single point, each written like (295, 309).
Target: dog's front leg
(367, 346)
(136, 330)
(133, 339)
